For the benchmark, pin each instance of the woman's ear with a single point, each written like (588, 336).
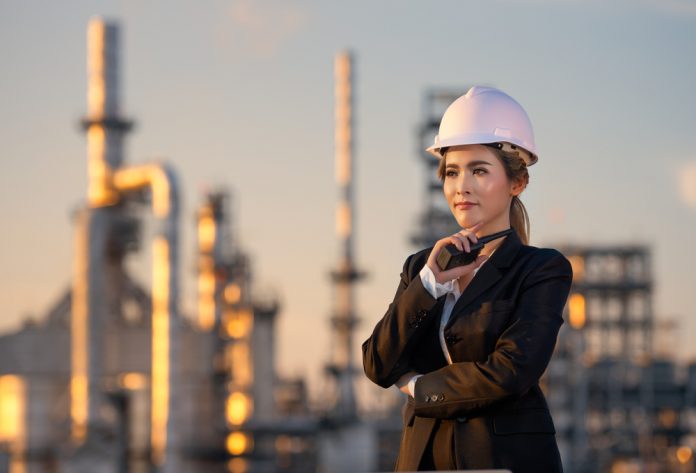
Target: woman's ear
(517, 187)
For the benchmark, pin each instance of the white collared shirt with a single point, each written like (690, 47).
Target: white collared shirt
(437, 290)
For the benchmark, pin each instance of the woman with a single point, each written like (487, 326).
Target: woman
(469, 344)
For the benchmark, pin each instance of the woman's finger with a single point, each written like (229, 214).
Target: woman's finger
(459, 271)
(458, 242)
(463, 240)
(470, 233)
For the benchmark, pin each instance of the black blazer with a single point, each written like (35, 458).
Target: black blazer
(501, 335)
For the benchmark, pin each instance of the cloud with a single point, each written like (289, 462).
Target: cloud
(686, 181)
(261, 27)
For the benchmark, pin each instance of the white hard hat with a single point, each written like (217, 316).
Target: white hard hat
(485, 115)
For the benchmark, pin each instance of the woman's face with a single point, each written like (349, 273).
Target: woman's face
(474, 174)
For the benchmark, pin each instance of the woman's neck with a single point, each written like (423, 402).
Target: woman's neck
(489, 230)
(492, 246)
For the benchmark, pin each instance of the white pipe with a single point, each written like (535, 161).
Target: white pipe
(165, 318)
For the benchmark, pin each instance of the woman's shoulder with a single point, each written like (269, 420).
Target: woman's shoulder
(415, 261)
(539, 258)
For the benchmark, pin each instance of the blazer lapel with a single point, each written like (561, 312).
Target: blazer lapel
(489, 273)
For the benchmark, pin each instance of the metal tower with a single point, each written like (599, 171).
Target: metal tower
(344, 320)
(603, 373)
(100, 249)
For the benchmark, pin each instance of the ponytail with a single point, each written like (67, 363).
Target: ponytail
(519, 219)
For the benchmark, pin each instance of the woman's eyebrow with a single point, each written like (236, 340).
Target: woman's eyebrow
(470, 165)
(476, 163)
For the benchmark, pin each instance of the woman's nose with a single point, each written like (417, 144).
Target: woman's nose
(464, 184)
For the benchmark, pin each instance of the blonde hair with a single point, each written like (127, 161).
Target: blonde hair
(515, 170)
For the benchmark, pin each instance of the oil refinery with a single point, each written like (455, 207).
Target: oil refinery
(114, 378)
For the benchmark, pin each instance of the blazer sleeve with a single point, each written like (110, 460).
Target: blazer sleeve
(386, 351)
(521, 354)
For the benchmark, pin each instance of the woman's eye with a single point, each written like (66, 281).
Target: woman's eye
(483, 171)
(451, 173)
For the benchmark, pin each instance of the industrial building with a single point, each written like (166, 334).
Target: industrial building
(114, 378)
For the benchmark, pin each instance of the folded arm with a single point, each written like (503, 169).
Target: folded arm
(386, 352)
(521, 355)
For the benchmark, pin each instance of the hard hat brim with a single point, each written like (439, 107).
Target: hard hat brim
(479, 139)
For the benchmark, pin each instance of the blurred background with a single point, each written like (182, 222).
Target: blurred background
(207, 206)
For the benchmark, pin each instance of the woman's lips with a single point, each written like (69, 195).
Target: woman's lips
(464, 206)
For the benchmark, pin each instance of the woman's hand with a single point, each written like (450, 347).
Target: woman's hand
(402, 382)
(461, 241)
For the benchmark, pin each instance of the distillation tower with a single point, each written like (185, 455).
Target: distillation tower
(114, 378)
(342, 369)
(99, 256)
(602, 379)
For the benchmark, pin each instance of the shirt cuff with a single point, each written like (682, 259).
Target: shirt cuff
(435, 288)
(412, 385)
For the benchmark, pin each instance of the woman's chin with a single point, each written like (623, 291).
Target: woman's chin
(466, 223)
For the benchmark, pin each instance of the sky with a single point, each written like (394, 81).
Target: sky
(238, 94)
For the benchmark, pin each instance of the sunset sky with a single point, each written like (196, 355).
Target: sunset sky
(239, 94)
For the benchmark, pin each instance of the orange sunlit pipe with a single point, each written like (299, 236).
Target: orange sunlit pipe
(239, 408)
(154, 176)
(238, 322)
(133, 381)
(13, 419)
(160, 349)
(207, 283)
(241, 363)
(207, 305)
(100, 193)
(578, 264)
(79, 392)
(96, 88)
(12, 397)
(238, 443)
(233, 293)
(576, 310)
(343, 138)
(160, 180)
(343, 220)
(207, 230)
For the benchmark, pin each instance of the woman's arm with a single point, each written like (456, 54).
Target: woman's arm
(386, 352)
(521, 355)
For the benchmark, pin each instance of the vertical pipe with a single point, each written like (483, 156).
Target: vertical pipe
(345, 275)
(165, 317)
(87, 319)
(13, 420)
(105, 131)
(79, 327)
(208, 308)
(102, 123)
